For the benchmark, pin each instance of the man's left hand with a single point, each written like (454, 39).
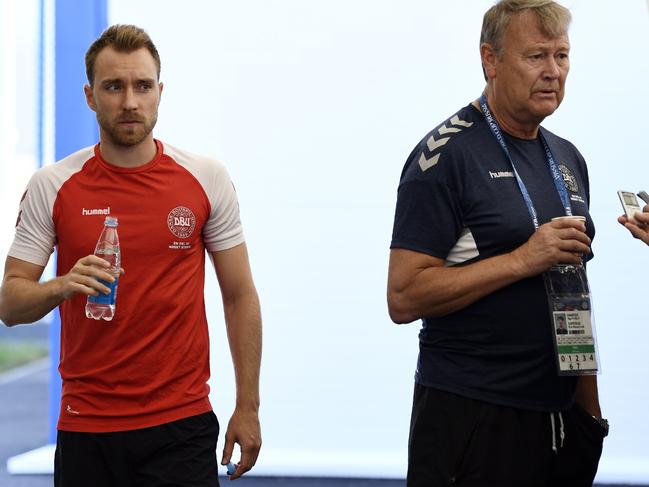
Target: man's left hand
(243, 429)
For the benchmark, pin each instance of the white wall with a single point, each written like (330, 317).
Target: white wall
(314, 108)
(604, 115)
(18, 108)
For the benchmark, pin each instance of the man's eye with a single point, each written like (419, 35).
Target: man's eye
(145, 86)
(536, 57)
(113, 87)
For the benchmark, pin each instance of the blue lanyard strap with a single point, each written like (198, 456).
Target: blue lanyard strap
(552, 164)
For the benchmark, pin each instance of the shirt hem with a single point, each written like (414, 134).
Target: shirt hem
(107, 424)
(499, 400)
(416, 248)
(28, 257)
(226, 245)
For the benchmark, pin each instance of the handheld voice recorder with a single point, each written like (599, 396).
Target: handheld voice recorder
(629, 203)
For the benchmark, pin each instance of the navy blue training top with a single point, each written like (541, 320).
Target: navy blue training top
(458, 201)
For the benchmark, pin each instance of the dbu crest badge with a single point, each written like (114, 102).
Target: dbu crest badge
(569, 179)
(181, 221)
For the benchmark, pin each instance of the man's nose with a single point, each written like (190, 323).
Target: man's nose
(551, 69)
(130, 100)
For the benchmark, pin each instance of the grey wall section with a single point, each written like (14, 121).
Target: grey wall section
(78, 24)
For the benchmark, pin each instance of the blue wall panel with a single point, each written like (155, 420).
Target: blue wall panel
(78, 24)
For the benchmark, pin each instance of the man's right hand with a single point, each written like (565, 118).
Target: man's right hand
(561, 241)
(640, 227)
(82, 278)
(24, 299)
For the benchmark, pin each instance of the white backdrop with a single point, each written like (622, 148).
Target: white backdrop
(18, 109)
(314, 106)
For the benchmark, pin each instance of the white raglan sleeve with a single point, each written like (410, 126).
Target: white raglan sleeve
(223, 229)
(35, 237)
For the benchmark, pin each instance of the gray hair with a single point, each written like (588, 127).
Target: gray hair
(554, 19)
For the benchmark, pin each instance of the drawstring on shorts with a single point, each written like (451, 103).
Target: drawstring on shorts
(562, 434)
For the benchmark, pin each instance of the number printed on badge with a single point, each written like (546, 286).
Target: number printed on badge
(578, 361)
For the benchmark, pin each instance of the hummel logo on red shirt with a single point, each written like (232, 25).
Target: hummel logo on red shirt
(71, 411)
(95, 211)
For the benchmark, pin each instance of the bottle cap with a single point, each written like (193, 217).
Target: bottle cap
(110, 221)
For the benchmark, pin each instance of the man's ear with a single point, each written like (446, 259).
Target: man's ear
(489, 57)
(90, 98)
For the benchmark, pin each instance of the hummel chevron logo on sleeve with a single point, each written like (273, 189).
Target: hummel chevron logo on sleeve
(448, 130)
(433, 144)
(456, 121)
(427, 163)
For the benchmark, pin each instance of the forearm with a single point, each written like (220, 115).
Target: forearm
(25, 301)
(243, 321)
(437, 291)
(587, 396)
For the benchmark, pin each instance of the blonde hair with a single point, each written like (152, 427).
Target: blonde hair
(122, 38)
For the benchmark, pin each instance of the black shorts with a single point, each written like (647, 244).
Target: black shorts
(456, 441)
(180, 453)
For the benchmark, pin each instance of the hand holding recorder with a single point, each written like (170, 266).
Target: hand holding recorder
(635, 219)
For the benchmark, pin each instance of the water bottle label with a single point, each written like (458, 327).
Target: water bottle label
(105, 298)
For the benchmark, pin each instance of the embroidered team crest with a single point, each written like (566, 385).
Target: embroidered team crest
(181, 221)
(569, 178)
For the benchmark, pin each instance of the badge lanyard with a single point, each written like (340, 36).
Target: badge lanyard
(566, 285)
(559, 184)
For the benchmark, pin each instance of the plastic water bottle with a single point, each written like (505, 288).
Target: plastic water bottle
(103, 305)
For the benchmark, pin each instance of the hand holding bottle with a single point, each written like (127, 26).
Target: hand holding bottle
(85, 277)
(102, 306)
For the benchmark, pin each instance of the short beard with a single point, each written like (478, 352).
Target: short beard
(128, 138)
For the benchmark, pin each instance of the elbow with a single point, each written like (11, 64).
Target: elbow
(399, 309)
(403, 309)
(5, 315)
(7, 320)
(400, 319)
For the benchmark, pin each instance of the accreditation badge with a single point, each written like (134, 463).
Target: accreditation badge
(571, 319)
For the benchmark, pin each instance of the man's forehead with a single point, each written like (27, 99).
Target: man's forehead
(547, 43)
(524, 30)
(112, 63)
